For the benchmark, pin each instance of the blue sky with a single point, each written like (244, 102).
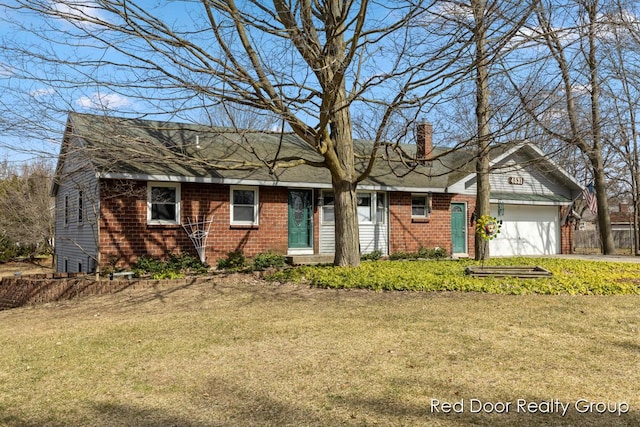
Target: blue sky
(34, 105)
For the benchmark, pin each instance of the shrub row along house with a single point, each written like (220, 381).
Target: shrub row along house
(127, 188)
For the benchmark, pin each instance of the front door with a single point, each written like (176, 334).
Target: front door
(458, 228)
(300, 221)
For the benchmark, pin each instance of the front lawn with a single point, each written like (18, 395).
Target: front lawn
(574, 277)
(236, 351)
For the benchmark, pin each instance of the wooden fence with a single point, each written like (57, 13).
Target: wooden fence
(589, 240)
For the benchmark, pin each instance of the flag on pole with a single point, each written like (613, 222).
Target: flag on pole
(589, 195)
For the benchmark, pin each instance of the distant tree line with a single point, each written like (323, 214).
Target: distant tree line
(26, 210)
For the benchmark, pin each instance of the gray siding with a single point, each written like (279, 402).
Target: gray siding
(76, 243)
(518, 175)
(373, 235)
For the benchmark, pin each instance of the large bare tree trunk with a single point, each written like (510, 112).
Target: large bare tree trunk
(346, 223)
(600, 185)
(483, 186)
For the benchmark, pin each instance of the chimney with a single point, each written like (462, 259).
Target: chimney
(424, 141)
(624, 207)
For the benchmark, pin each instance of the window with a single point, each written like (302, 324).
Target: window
(163, 203)
(364, 207)
(244, 205)
(381, 207)
(328, 209)
(420, 206)
(66, 209)
(80, 207)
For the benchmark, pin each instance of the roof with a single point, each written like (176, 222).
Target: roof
(124, 148)
(147, 149)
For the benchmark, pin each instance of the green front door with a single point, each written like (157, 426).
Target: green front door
(458, 228)
(300, 219)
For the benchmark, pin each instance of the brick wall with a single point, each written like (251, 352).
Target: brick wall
(37, 289)
(125, 234)
(408, 235)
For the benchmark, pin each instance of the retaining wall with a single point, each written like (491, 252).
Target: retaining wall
(43, 288)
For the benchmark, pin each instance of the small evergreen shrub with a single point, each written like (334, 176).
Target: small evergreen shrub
(265, 260)
(176, 266)
(234, 261)
(423, 253)
(371, 256)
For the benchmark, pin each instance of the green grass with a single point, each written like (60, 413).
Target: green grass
(573, 277)
(238, 351)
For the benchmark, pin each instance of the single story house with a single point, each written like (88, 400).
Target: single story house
(125, 188)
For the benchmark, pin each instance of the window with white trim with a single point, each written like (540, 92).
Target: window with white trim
(420, 206)
(381, 208)
(364, 207)
(244, 205)
(163, 203)
(328, 208)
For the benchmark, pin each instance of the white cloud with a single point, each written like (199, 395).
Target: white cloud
(39, 93)
(99, 101)
(77, 9)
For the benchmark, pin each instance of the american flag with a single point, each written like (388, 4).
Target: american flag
(589, 195)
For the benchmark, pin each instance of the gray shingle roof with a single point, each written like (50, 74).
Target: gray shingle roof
(119, 147)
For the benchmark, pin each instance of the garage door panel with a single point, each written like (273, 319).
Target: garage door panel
(527, 230)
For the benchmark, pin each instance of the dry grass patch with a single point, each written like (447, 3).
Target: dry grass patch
(238, 351)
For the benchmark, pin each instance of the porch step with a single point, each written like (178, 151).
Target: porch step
(309, 259)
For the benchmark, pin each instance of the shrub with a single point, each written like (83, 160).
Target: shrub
(175, 265)
(234, 261)
(265, 260)
(435, 253)
(371, 256)
(147, 265)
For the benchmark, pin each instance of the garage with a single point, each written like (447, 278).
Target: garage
(526, 230)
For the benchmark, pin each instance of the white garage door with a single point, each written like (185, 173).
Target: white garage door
(527, 230)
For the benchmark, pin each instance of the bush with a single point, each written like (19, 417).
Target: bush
(265, 260)
(424, 253)
(176, 265)
(371, 256)
(234, 261)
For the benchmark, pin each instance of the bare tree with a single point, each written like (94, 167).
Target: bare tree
(566, 104)
(311, 64)
(489, 26)
(26, 211)
(622, 87)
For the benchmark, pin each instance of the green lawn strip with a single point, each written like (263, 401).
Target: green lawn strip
(573, 277)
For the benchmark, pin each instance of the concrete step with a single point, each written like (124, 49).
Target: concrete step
(310, 259)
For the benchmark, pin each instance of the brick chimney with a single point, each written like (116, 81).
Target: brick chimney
(624, 207)
(424, 141)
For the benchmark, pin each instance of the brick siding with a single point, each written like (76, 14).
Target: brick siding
(408, 235)
(125, 234)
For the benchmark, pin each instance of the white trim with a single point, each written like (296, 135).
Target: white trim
(256, 204)
(175, 185)
(263, 183)
(530, 202)
(299, 251)
(428, 205)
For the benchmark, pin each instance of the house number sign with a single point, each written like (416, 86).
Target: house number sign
(516, 180)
